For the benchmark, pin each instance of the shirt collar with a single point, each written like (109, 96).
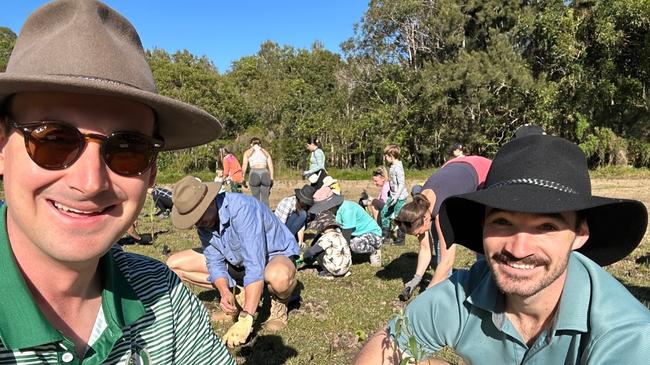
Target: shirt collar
(574, 302)
(20, 315)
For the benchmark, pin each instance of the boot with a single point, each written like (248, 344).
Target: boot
(279, 314)
(220, 316)
(400, 239)
(386, 234)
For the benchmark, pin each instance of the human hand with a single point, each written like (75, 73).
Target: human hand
(270, 186)
(227, 303)
(239, 332)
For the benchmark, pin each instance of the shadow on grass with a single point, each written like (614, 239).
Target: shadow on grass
(643, 260)
(402, 267)
(266, 349)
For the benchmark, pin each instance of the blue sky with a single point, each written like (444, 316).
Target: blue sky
(223, 30)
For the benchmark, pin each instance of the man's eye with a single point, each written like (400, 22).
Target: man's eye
(548, 227)
(500, 222)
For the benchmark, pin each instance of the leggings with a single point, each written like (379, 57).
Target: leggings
(259, 181)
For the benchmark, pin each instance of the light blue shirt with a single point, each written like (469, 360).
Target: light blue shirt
(351, 215)
(316, 161)
(249, 234)
(598, 321)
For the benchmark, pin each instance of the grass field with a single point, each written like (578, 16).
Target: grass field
(334, 317)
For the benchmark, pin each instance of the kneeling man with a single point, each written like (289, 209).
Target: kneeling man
(541, 295)
(243, 243)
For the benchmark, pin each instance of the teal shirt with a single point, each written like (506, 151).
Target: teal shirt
(598, 321)
(351, 215)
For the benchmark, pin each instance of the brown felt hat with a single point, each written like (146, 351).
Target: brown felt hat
(85, 47)
(191, 199)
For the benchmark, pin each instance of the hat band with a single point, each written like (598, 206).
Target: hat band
(536, 182)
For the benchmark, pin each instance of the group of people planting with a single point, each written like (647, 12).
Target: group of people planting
(81, 127)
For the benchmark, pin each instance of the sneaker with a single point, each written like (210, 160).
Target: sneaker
(279, 316)
(324, 274)
(375, 258)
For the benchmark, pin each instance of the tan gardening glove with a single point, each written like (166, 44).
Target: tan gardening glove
(238, 332)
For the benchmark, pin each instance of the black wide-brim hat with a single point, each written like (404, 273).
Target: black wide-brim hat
(546, 174)
(305, 195)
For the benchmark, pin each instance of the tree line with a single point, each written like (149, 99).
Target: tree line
(424, 74)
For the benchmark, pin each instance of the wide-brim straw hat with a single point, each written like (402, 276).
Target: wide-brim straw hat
(191, 199)
(546, 174)
(85, 47)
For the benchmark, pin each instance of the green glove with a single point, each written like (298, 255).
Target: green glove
(239, 332)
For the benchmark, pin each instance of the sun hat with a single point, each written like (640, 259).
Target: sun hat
(324, 199)
(328, 181)
(528, 130)
(191, 199)
(323, 221)
(546, 174)
(85, 47)
(306, 194)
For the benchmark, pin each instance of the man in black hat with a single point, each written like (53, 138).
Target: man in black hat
(292, 211)
(541, 295)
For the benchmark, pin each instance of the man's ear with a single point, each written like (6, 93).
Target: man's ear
(153, 174)
(582, 235)
(4, 137)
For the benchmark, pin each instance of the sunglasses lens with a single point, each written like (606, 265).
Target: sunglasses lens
(53, 146)
(128, 154)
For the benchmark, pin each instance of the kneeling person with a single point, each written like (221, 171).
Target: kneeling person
(330, 248)
(243, 242)
(541, 295)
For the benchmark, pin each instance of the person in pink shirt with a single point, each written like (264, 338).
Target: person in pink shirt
(379, 179)
(232, 172)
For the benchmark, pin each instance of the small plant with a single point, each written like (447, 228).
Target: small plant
(402, 328)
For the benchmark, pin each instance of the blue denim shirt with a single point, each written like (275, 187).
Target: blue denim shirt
(598, 321)
(249, 234)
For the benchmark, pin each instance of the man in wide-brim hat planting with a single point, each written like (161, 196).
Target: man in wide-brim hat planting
(82, 124)
(540, 296)
(244, 244)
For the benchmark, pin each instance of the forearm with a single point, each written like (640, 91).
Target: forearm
(380, 349)
(253, 295)
(221, 284)
(424, 255)
(447, 258)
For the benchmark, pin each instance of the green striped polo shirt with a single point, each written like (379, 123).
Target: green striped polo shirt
(147, 317)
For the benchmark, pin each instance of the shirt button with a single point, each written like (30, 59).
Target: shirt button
(67, 357)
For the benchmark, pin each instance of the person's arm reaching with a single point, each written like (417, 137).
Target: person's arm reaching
(447, 258)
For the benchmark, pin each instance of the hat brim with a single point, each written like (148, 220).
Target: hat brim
(180, 124)
(187, 220)
(333, 201)
(303, 199)
(616, 226)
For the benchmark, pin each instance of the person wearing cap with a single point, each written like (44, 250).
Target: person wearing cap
(292, 211)
(330, 248)
(365, 234)
(419, 217)
(244, 244)
(541, 295)
(82, 124)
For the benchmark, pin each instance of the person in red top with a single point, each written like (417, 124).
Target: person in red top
(462, 174)
(232, 172)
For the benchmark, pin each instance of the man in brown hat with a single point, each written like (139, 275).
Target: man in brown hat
(243, 244)
(82, 124)
(540, 296)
